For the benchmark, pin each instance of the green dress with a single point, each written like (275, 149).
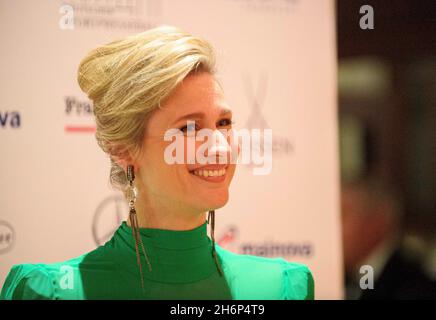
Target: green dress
(182, 268)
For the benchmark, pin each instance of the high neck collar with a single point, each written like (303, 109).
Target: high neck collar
(175, 256)
(173, 239)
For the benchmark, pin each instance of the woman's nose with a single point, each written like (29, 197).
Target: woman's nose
(219, 147)
(219, 142)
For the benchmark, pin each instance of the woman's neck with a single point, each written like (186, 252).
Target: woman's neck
(168, 218)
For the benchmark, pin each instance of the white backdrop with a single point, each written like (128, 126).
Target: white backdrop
(277, 64)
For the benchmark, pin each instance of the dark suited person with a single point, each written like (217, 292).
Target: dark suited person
(371, 236)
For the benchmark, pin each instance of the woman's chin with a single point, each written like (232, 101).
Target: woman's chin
(209, 193)
(213, 202)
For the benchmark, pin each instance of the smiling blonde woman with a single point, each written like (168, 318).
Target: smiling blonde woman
(140, 87)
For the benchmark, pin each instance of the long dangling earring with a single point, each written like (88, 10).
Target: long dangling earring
(211, 220)
(131, 198)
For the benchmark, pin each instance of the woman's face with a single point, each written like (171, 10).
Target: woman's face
(191, 186)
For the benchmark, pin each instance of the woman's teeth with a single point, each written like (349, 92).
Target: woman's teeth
(210, 173)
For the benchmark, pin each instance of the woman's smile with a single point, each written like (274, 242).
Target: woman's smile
(215, 173)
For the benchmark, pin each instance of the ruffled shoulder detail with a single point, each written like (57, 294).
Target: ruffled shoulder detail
(28, 282)
(298, 282)
(260, 278)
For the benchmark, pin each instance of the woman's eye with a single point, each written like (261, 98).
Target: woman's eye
(225, 122)
(189, 128)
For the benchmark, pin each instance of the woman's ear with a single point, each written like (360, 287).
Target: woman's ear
(122, 162)
(122, 157)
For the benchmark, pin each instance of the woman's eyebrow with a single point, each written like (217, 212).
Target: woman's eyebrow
(200, 115)
(225, 111)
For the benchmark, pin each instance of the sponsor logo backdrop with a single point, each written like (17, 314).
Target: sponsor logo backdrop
(277, 63)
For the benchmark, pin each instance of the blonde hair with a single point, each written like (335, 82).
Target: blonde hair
(127, 79)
